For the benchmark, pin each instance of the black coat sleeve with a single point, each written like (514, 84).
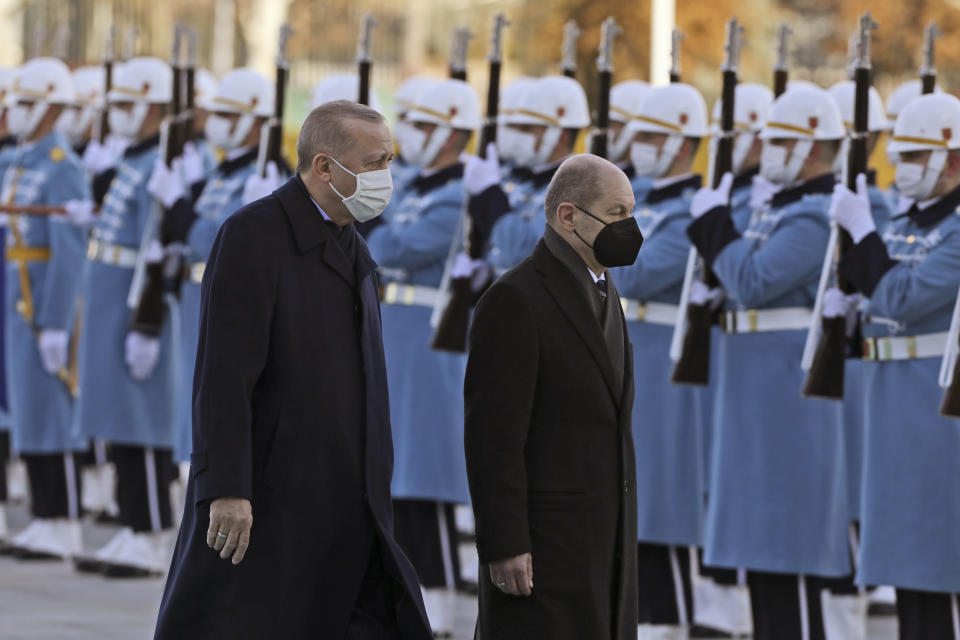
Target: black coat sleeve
(499, 393)
(237, 302)
(486, 208)
(865, 263)
(711, 232)
(177, 221)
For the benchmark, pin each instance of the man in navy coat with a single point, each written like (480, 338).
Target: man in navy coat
(287, 530)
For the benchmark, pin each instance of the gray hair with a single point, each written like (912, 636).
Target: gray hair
(574, 182)
(324, 132)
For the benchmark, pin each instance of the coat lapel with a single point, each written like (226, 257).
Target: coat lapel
(562, 286)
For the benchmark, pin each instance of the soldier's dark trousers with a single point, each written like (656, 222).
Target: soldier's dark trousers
(923, 615)
(143, 486)
(785, 605)
(4, 457)
(427, 533)
(665, 590)
(54, 484)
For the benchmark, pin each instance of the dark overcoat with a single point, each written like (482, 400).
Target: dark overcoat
(550, 459)
(291, 412)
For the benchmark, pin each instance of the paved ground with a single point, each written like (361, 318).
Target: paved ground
(49, 601)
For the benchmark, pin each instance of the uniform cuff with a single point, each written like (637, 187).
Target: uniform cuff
(711, 232)
(865, 263)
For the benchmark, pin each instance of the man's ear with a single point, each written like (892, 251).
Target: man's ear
(566, 215)
(322, 167)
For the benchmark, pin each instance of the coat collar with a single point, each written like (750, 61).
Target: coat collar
(310, 230)
(143, 145)
(570, 297)
(226, 167)
(674, 189)
(936, 212)
(820, 184)
(422, 184)
(745, 179)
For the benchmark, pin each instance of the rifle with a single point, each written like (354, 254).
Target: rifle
(108, 57)
(780, 68)
(271, 135)
(150, 277)
(364, 61)
(451, 331)
(690, 346)
(571, 36)
(609, 31)
(825, 366)
(675, 37)
(189, 74)
(458, 53)
(928, 73)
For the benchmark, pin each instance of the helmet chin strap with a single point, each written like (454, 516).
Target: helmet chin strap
(741, 149)
(621, 143)
(799, 155)
(548, 142)
(931, 173)
(668, 153)
(37, 112)
(436, 141)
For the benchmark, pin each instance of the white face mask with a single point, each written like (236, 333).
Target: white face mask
(420, 149)
(127, 123)
(75, 124)
(219, 131)
(23, 120)
(508, 144)
(774, 165)
(653, 161)
(528, 153)
(917, 181)
(371, 196)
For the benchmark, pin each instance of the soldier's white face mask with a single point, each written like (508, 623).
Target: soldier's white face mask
(75, 123)
(371, 196)
(653, 161)
(127, 123)
(917, 181)
(220, 132)
(775, 165)
(420, 149)
(528, 153)
(23, 120)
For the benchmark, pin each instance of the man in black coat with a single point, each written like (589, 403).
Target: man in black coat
(287, 530)
(548, 397)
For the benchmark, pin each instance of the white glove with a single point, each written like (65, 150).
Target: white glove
(97, 158)
(193, 166)
(761, 192)
(479, 271)
(479, 174)
(141, 355)
(165, 183)
(837, 304)
(80, 212)
(54, 347)
(707, 199)
(852, 210)
(702, 295)
(257, 187)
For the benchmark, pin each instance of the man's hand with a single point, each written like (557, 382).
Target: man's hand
(229, 531)
(513, 576)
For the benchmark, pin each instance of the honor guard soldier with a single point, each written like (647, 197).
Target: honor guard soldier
(543, 130)
(129, 377)
(426, 404)
(625, 100)
(898, 100)
(44, 258)
(402, 170)
(777, 502)
(910, 271)
(78, 119)
(7, 142)
(340, 86)
(509, 97)
(238, 109)
(853, 398)
(662, 137)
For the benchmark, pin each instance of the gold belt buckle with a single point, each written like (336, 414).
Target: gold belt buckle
(752, 320)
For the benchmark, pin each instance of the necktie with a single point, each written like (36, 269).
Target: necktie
(602, 286)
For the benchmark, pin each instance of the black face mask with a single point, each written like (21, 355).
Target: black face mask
(617, 244)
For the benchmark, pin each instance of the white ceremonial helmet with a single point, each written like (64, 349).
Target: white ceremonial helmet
(449, 104)
(805, 114)
(845, 94)
(141, 81)
(801, 84)
(901, 96)
(407, 93)
(677, 110)
(509, 96)
(42, 82)
(751, 105)
(89, 83)
(6, 84)
(204, 88)
(927, 123)
(625, 100)
(554, 102)
(242, 91)
(340, 86)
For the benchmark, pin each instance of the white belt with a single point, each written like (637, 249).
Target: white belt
(762, 320)
(114, 255)
(649, 312)
(196, 272)
(929, 345)
(410, 295)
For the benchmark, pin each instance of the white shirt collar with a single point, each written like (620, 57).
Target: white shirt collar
(322, 212)
(596, 279)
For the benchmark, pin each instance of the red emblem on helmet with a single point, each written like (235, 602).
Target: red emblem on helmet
(683, 118)
(561, 112)
(453, 111)
(813, 121)
(753, 116)
(947, 133)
